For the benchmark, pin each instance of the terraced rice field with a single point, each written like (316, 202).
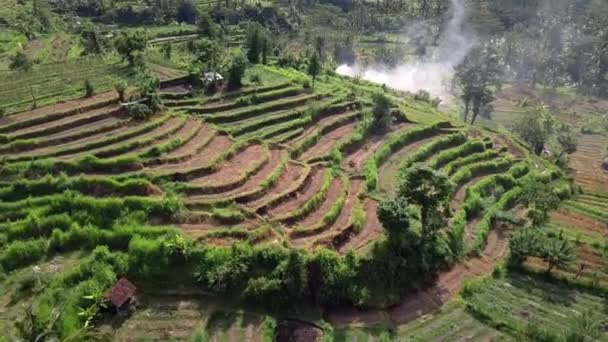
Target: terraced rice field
(251, 164)
(274, 164)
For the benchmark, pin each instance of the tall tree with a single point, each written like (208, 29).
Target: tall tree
(130, 44)
(477, 77)
(430, 190)
(314, 67)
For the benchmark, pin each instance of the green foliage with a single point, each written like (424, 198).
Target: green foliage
(237, 68)
(434, 147)
(21, 253)
(428, 189)
(139, 111)
(471, 171)
(88, 88)
(256, 42)
(464, 150)
(268, 329)
(382, 118)
(358, 215)
(121, 88)
(130, 45)
(187, 12)
(20, 62)
(314, 67)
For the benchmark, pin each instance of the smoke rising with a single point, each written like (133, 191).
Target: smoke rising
(432, 75)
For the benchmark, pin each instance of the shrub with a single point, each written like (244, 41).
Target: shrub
(88, 88)
(121, 88)
(358, 215)
(237, 68)
(139, 111)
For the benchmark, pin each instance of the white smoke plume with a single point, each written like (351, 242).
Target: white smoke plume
(433, 75)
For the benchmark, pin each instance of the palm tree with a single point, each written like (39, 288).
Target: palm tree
(558, 253)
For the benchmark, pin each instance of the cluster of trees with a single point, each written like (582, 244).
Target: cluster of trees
(540, 130)
(477, 79)
(556, 251)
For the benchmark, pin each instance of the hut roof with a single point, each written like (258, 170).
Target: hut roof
(121, 292)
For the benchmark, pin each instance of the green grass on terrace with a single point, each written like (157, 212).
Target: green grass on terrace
(54, 82)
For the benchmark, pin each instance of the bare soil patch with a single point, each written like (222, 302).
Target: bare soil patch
(353, 162)
(312, 186)
(290, 178)
(233, 169)
(203, 158)
(569, 219)
(371, 230)
(251, 183)
(327, 142)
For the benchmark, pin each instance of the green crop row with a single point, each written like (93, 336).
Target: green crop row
(455, 165)
(358, 216)
(431, 148)
(253, 111)
(313, 138)
(471, 171)
(99, 186)
(463, 150)
(141, 129)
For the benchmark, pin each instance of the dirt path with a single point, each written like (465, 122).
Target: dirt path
(327, 142)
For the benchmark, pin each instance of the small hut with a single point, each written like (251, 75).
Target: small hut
(121, 295)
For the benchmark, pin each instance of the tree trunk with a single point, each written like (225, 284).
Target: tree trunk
(467, 104)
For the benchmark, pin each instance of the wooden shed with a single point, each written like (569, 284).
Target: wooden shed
(121, 294)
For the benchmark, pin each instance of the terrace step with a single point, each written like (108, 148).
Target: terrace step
(94, 141)
(309, 187)
(234, 173)
(388, 171)
(65, 123)
(194, 145)
(324, 146)
(217, 108)
(169, 127)
(372, 228)
(290, 181)
(249, 112)
(58, 111)
(204, 159)
(253, 184)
